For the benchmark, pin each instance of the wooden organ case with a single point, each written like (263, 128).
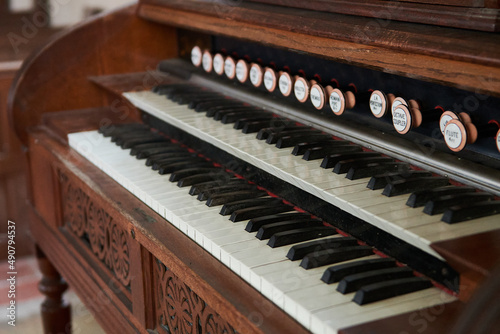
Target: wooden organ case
(137, 261)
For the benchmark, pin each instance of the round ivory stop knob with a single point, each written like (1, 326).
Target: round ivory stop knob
(196, 56)
(497, 140)
(270, 79)
(457, 135)
(379, 104)
(317, 96)
(339, 100)
(402, 119)
(301, 89)
(285, 83)
(207, 61)
(256, 74)
(230, 67)
(242, 69)
(219, 64)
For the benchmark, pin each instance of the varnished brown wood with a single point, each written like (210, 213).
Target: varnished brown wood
(56, 313)
(119, 83)
(114, 44)
(467, 14)
(468, 61)
(93, 293)
(473, 256)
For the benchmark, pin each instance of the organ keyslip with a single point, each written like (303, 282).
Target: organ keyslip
(227, 191)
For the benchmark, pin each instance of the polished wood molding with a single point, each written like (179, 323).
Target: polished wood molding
(463, 59)
(466, 14)
(474, 256)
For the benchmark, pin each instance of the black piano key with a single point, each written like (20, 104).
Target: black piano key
(258, 211)
(169, 153)
(168, 166)
(233, 117)
(256, 126)
(198, 189)
(191, 180)
(301, 148)
(355, 282)
(256, 223)
(384, 290)
(186, 98)
(334, 255)
(298, 252)
(302, 131)
(440, 204)
(129, 143)
(457, 214)
(172, 92)
(158, 146)
(217, 112)
(321, 152)
(229, 208)
(264, 133)
(219, 115)
(114, 129)
(343, 166)
(299, 235)
(205, 106)
(180, 157)
(360, 172)
(180, 174)
(335, 273)
(144, 154)
(196, 102)
(120, 137)
(224, 189)
(419, 198)
(400, 187)
(174, 96)
(266, 231)
(380, 181)
(167, 88)
(331, 160)
(219, 199)
(291, 141)
(240, 123)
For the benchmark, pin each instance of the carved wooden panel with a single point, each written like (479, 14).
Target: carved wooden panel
(88, 221)
(180, 310)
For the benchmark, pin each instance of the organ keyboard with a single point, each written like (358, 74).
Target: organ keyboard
(286, 181)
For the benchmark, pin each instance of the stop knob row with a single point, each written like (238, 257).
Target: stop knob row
(457, 128)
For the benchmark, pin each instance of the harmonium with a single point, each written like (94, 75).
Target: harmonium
(229, 166)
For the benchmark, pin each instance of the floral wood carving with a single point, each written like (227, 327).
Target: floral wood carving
(89, 222)
(180, 310)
